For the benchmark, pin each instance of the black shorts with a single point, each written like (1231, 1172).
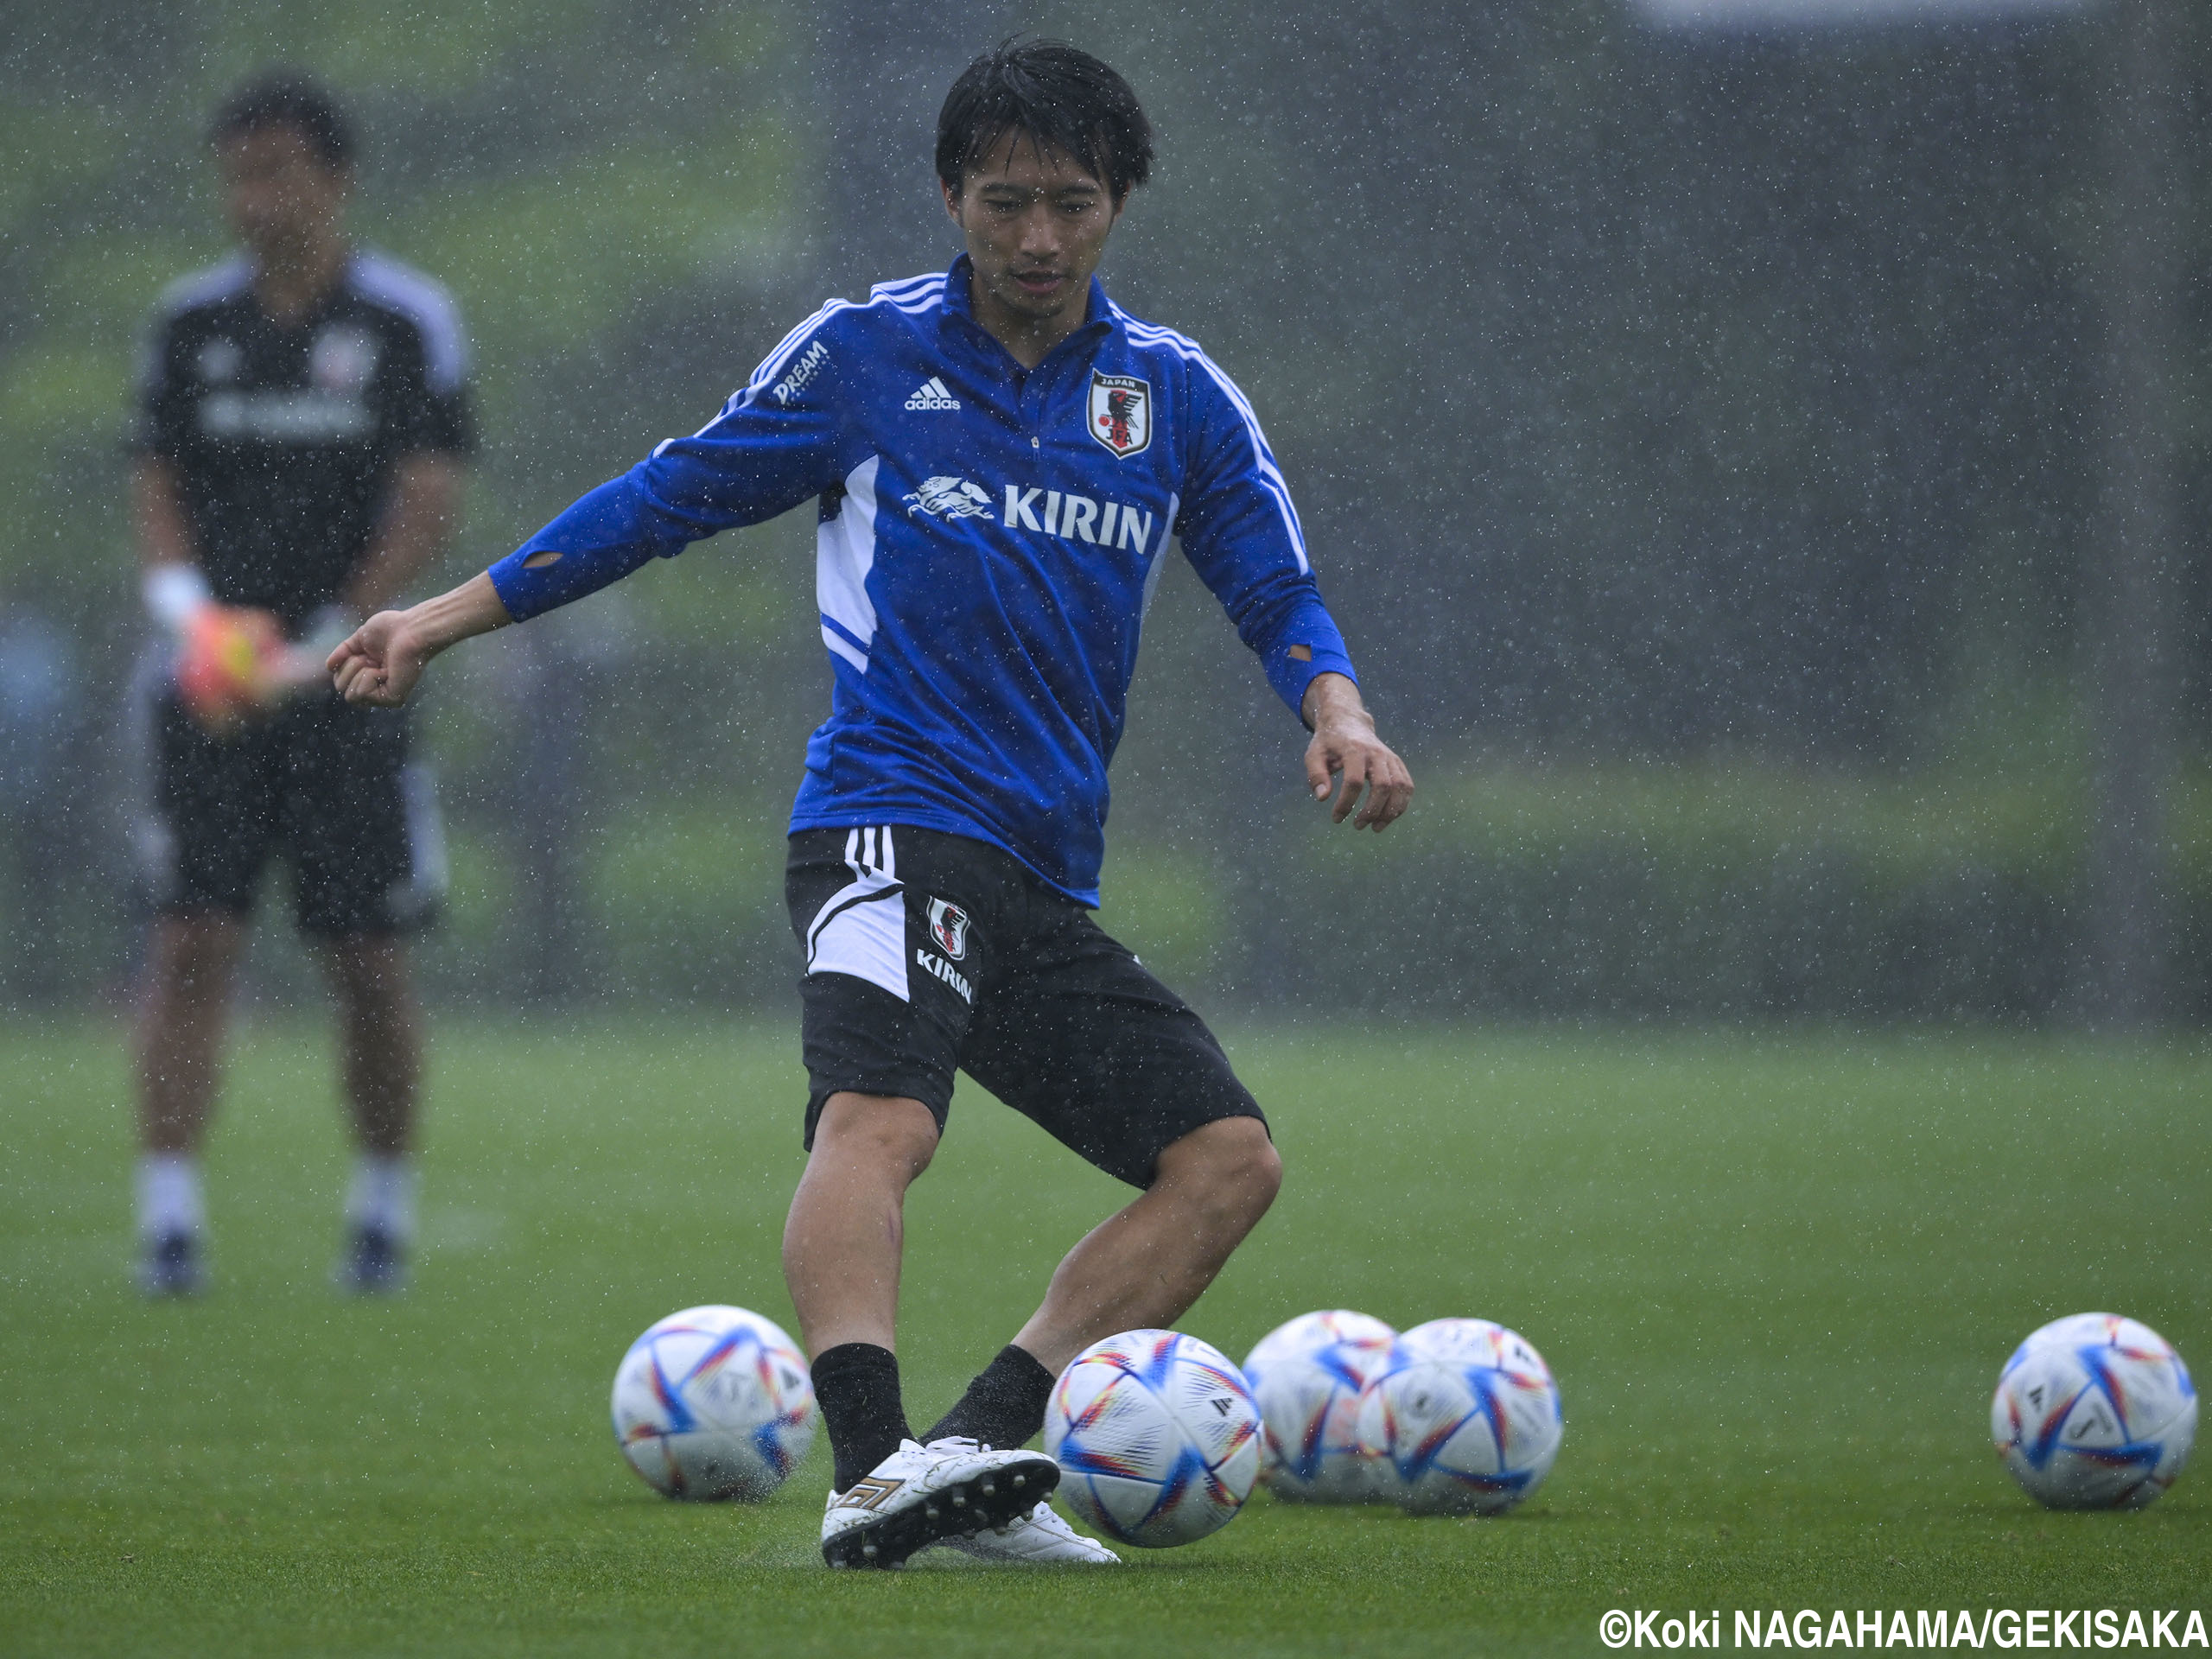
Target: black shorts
(325, 785)
(928, 952)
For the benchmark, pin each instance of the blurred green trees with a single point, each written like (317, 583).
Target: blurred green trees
(1720, 404)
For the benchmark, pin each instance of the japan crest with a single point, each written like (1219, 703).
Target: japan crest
(949, 927)
(1120, 412)
(342, 361)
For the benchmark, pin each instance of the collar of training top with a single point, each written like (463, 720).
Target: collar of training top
(1098, 319)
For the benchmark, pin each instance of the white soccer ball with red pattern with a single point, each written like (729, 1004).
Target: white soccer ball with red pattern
(1466, 1421)
(1306, 1378)
(714, 1402)
(2095, 1412)
(1156, 1436)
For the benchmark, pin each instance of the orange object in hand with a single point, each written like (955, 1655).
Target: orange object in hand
(224, 673)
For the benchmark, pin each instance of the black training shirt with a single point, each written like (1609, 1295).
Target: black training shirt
(285, 438)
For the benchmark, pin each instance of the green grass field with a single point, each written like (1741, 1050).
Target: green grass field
(1775, 1276)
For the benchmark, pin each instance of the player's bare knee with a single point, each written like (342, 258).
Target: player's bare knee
(369, 972)
(1261, 1176)
(879, 1130)
(1231, 1163)
(194, 957)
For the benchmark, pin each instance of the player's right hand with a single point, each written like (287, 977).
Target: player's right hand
(379, 662)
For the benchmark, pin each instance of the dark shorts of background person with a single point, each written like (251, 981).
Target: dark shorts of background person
(929, 953)
(324, 786)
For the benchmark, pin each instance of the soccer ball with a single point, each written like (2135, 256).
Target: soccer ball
(2095, 1412)
(714, 1402)
(1465, 1420)
(1306, 1377)
(1156, 1436)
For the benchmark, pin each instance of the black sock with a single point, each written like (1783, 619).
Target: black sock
(857, 1384)
(1003, 1407)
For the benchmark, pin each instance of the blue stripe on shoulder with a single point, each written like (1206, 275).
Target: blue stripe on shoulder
(383, 280)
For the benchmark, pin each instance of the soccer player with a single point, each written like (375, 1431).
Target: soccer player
(303, 423)
(1000, 455)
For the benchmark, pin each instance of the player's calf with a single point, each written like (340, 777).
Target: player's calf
(1142, 1267)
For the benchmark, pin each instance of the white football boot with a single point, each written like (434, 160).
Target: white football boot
(1041, 1536)
(920, 1495)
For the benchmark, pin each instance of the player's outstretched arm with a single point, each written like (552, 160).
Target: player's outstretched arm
(1345, 744)
(379, 662)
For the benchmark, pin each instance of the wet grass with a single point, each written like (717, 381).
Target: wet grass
(1776, 1277)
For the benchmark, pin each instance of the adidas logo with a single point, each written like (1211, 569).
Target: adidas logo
(931, 394)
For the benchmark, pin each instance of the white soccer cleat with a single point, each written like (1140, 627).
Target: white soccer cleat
(921, 1495)
(1040, 1537)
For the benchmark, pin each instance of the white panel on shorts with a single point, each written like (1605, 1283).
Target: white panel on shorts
(153, 840)
(417, 897)
(861, 930)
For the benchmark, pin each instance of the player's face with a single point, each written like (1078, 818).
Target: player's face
(1036, 226)
(279, 194)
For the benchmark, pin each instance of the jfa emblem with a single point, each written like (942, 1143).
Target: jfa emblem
(949, 927)
(342, 361)
(1120, 412)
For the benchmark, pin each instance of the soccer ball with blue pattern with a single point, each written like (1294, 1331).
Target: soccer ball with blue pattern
(714, 1402)
(2095, 1412)
(1306, 1378)
(1156, 1436)
(1466, 1421)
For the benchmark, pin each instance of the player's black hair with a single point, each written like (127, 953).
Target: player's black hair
(1061, 98)
(286, 98)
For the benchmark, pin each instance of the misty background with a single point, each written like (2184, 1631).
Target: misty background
(1760, 471)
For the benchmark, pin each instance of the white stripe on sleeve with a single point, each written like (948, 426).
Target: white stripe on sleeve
(844, 553)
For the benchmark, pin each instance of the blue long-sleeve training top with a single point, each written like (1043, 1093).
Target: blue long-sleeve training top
(990, 540)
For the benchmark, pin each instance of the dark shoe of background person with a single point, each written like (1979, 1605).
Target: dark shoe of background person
(170, 1267)
(374, 1264)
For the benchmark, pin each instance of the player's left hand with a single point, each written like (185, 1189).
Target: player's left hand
(1346, 755)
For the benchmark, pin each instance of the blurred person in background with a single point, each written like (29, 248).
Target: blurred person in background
(303, 421)
(39, 688)
(998, 454)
